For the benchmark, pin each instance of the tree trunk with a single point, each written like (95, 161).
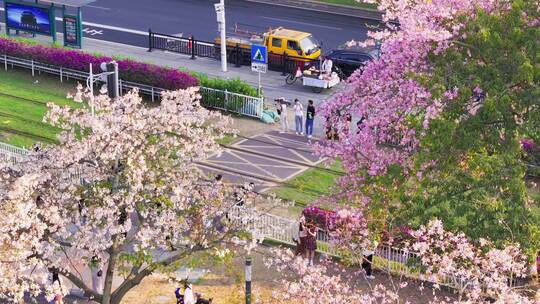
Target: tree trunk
(107, 287)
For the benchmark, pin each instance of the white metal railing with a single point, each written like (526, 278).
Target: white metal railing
(233, 102)
(9, 149)
(11, 154)
(272, 227)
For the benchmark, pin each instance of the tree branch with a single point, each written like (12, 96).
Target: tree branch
(79, 283)
(127, 285)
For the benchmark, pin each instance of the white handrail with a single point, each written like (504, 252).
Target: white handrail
(245, 105)
(269, 226)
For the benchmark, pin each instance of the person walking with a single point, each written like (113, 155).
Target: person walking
(302, 233)
(310, 117)
(367, 261)
(311, 242)
(57, 288)
(97, 274)
(298, 116)
(282, 111)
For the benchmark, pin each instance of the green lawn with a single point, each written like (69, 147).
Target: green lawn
(227, 140)
(353, 3)
(23, 105)
(310, 185)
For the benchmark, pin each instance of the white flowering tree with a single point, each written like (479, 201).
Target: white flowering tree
(479, 273)
(142, 206)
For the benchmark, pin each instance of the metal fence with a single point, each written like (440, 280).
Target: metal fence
(283, 230)
(11, 154)
(236, 55)
(233, 102)
(188, 46)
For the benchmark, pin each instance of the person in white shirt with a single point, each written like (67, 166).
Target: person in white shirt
(283, 114)
(189, 298)
(298, 116)
(367, 261)
(327, 66)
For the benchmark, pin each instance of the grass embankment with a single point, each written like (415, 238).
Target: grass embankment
(23, 103)
(310, 185)
(352, 3)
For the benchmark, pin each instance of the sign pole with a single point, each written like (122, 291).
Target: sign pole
(248, 278)
(91, 90)
(259, 63)
(116, 80)
(259, 87)
(52, 19)
(79, 27)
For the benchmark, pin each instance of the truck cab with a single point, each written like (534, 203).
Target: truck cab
(293, 43)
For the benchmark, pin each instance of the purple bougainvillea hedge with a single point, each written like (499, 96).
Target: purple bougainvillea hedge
(129, 70)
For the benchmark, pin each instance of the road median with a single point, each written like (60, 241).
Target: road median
(331, 8)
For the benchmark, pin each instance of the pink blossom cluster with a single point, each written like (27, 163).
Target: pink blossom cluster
(478, 270)
(385, 97)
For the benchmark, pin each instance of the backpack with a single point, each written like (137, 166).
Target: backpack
(179, 296)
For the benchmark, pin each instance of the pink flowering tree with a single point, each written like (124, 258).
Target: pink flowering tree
(120, 193)
(440, 117)
(478, 272)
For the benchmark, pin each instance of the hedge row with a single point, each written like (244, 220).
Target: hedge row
(235, 85)
(130, 70)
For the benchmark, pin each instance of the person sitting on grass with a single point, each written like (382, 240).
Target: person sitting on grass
(187, 297)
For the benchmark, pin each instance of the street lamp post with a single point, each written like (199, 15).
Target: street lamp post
(248, 280)
(220, 12)
(93, 78)
(90, 85)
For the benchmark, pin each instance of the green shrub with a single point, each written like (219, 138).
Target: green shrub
(235, 85)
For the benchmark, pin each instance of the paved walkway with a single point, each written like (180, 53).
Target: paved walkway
(266, 159)
(273, 83)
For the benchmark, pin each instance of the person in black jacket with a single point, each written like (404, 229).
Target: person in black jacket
(310, 117)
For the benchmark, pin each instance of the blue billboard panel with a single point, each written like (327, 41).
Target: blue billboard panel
(27, 17)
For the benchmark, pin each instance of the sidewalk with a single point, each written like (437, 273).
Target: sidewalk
(337, 9)
(273, 83)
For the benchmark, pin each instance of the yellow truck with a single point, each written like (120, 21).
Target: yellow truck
(296, 45)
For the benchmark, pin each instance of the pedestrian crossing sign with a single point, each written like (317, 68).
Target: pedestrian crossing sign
(258, 54)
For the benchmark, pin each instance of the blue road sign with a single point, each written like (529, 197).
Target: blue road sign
(258, 54)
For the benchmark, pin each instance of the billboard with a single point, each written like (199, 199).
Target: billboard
(28, 17)
(71, 31)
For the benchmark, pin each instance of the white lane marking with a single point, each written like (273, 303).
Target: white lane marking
(303, 23)
(98, 7)
(107, 27)
(92, 32)
(114, 28)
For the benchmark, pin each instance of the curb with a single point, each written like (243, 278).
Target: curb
(335, 9)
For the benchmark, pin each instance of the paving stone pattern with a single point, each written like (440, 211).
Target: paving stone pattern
(266, 159)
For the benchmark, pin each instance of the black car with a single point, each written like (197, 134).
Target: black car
(349, 60)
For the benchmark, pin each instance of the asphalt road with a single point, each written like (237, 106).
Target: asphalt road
(126, 21)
